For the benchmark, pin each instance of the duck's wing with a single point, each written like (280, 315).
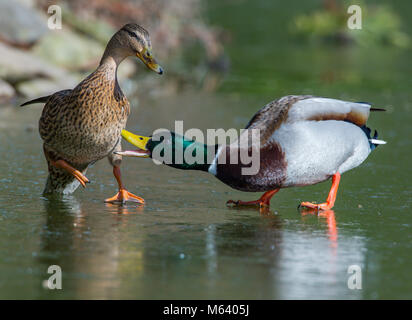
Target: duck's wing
(272, 115)
(319, 109)
(48, 123)
(292, 109)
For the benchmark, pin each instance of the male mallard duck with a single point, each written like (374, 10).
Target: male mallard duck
(303, 140)
(83, 125)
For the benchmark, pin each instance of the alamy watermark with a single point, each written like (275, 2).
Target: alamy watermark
(55, 20)
(355, 20)
(55, 280)
(355, 278)
(239, 147)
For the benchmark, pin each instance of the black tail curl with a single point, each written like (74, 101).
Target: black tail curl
(368, 134)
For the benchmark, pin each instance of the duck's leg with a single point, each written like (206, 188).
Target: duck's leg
(61, 164)
(123, 195)
(263, 201)
(330, 201)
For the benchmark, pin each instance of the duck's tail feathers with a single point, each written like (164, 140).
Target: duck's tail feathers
(38, 100)
(373, 141)
(372, 109)
(376, 142)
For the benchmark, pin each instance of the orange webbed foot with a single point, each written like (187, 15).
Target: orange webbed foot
(330, 201)
(74, 172)
(240, 203)
(263, 202)
(81, 178)
(317, 206)
(124, 196)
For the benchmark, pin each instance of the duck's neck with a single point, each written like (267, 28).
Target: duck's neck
(111, 59)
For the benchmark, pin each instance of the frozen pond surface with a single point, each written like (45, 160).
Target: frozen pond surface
(184, 243)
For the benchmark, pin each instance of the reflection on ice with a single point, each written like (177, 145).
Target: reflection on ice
(314, 265)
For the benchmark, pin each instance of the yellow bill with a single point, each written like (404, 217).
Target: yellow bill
(138, 141)
(147, 57)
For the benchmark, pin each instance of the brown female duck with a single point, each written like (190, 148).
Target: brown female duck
(82, 125)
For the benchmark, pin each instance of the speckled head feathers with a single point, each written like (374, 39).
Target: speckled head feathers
(135, 36)
(130, 40)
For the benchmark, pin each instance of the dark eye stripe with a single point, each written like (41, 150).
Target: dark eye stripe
(132, 34)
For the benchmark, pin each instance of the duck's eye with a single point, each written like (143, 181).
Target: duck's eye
(132, 34)
(141, 138)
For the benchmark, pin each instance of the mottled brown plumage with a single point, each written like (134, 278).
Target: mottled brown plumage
(272, 115)
(83, 125)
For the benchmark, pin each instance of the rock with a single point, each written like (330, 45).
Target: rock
(17, 65)
(21, 25)
(41, 87)
(69, 50)
(75, 52)
(6, 91)
(98, 29)
(174, 26)
(33, 76)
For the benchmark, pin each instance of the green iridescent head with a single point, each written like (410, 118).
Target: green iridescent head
(169, 148)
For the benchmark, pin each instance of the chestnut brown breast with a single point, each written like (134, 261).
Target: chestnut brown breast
(271, 173)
